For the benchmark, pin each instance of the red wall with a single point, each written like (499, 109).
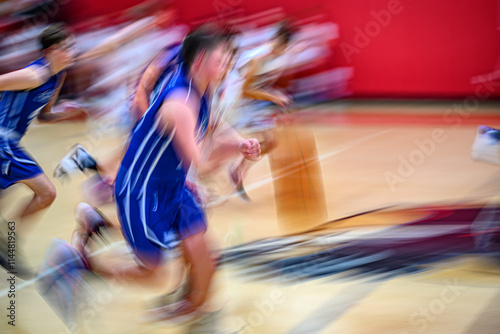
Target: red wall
(75, 11)
(430, 48)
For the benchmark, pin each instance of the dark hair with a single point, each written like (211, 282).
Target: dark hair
(205, 38)
(285, 32)
(53, 34)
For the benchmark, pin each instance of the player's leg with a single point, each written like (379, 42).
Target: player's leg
(62, 278)
(63, 281)
(90, 222)
(90, 225)
(187, 301)
(126, 270)
(201, 271)
(19, 167)
(44, 193)
(98, 189)
(190, 226)
(202, 268)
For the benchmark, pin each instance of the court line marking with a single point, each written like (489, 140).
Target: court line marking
(333, 308)
(324, 156)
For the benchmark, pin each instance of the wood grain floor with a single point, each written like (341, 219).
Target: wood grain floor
(364, 166)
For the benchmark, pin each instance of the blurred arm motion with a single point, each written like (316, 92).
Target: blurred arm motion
(251, 92)
(24, 79)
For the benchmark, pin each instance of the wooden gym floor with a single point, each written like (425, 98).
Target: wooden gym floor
(361, 147)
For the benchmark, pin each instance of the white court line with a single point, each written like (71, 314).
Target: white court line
(269, 179)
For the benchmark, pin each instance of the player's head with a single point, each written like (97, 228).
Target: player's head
(282, 37)
(58, 45)
(206, 52)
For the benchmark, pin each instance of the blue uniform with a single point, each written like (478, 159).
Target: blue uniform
(154, 207)
(169, 57)
(17, 111)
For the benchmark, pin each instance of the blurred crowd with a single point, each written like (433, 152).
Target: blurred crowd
(115, 47)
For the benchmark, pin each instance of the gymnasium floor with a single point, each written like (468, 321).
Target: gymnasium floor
(361, 147)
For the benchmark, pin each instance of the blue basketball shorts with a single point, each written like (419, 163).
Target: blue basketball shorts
(16, 164)
(156, 217)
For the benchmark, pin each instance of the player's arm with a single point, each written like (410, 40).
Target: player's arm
(140, 102)
(124, 36)
(43, 116)
(46, 115)
(177, 119)
(24, 79)
(249, 90)
(228, 142)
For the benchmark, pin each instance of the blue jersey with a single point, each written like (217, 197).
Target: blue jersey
(168, 58)
(151, 156)
(18, 108)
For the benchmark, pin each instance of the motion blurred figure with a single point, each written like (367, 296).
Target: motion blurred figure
(157, 211)
(30, 93)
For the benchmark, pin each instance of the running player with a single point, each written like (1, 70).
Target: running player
(99, 187)
(155, 208)
(99, 190)
(29, 93)
(250, 98)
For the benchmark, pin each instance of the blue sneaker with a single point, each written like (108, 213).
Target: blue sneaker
(486, 147)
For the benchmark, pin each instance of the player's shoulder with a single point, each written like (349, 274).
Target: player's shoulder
(38, 64)
(183, 96)
(41, 68)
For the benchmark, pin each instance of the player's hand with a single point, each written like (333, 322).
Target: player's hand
(70, 110)
(250, 149)
(283, 100)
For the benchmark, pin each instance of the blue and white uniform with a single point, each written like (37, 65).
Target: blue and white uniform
(154, 206)
(17, 110)
(244, 114)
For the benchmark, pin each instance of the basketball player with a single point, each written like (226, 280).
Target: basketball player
(99, 187)
(29, 93)
(155, 208)
(78, 158)
(250, 99)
